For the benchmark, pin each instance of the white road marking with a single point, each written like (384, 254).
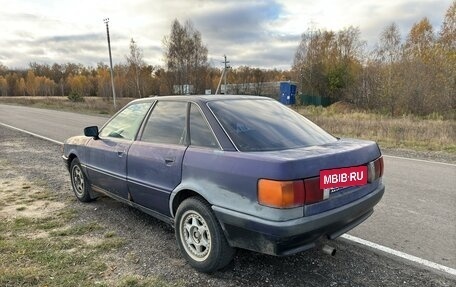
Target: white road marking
(373, 245)
(420, 160)
(32, 134)
(401, 254)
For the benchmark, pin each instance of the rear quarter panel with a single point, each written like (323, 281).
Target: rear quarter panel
(229, 179)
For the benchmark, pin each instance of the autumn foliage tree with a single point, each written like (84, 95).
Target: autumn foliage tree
(136, 66)
(416, 76)
(3, 86)
(389, 54)
(326, 62)
(185, 57)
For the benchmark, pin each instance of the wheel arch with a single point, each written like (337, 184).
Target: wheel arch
(71, 157)
(178, 197)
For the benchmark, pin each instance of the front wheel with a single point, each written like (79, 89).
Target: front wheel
(79, 182)
(200, 237)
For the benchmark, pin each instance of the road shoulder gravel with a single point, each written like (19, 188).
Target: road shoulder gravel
(150, 248)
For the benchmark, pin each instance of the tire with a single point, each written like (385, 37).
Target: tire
(79, 182)
(200, 237)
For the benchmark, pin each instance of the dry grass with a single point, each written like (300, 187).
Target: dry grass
(403, 132)
(91, 105)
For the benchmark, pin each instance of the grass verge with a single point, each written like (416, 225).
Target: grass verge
(48, 243)
(90, 105)
(409, 132)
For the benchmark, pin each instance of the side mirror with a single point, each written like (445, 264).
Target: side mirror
(91, 132)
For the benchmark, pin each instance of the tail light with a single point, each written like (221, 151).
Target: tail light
(289, 194)
(313, 191)
(294, 193)
(375, 169)
(281, 194)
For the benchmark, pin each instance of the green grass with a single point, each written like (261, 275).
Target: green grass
(53, 250)
(24, 224)
(42, 195)
(25, 260)
(78, 229)
(56, 249)
(111, 243)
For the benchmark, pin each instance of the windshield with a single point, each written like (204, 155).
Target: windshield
(266, 125)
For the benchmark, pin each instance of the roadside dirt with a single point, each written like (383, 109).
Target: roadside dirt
(150, 248)
(21, 199)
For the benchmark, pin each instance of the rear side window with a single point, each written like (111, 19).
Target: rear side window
(166, 123)
(266, 125)
(200, 133)
(126, 123)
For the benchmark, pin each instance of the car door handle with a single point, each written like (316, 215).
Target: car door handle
(120, 153)
(169, 161)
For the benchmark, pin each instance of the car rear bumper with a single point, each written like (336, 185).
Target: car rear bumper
(292, 236)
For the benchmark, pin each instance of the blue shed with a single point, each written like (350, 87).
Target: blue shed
(287, 93)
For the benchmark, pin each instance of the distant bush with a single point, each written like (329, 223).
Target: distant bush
(75, 97)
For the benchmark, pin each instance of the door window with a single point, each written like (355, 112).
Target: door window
(167, 123)
(200, 133)
(125, 124)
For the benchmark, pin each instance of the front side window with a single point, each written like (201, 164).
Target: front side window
(167, 123)
(125, 124)
(266, 125)
(200, 133)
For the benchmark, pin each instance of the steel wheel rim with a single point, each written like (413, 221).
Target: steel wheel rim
(195, 235)
(78, 181)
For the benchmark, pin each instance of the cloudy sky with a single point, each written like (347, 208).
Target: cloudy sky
(256, 33)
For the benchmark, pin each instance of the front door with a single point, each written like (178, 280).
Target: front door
(107, 165)
(107, 155)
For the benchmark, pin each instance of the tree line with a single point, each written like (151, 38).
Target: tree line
(412, 75)
(416, 76)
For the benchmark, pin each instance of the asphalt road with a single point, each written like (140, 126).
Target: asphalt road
(417, 215)
(56, 125)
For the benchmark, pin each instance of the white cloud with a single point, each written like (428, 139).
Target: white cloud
(258, 33)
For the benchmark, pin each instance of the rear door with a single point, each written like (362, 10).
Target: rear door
(107, 156)
(155, 160)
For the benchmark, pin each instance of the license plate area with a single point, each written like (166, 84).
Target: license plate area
(336, 179)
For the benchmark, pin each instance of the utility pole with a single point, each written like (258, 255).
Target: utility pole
(106, 20)
(223, 77)
(226, 72)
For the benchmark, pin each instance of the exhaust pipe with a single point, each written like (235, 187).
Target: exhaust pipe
(329, 250)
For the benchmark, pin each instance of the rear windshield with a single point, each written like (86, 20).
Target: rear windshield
(266, 125)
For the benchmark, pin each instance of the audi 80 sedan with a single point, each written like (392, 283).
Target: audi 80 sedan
(228, 172)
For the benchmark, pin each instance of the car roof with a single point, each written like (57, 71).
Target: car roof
(200, 98)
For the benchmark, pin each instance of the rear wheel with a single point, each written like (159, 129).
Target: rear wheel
(79, 182)
(200, 237)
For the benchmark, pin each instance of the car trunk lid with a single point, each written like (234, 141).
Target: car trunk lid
(344, 155)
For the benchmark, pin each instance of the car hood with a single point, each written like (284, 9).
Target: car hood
(77, 140)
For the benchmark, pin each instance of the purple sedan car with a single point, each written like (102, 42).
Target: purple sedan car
(228, 172)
